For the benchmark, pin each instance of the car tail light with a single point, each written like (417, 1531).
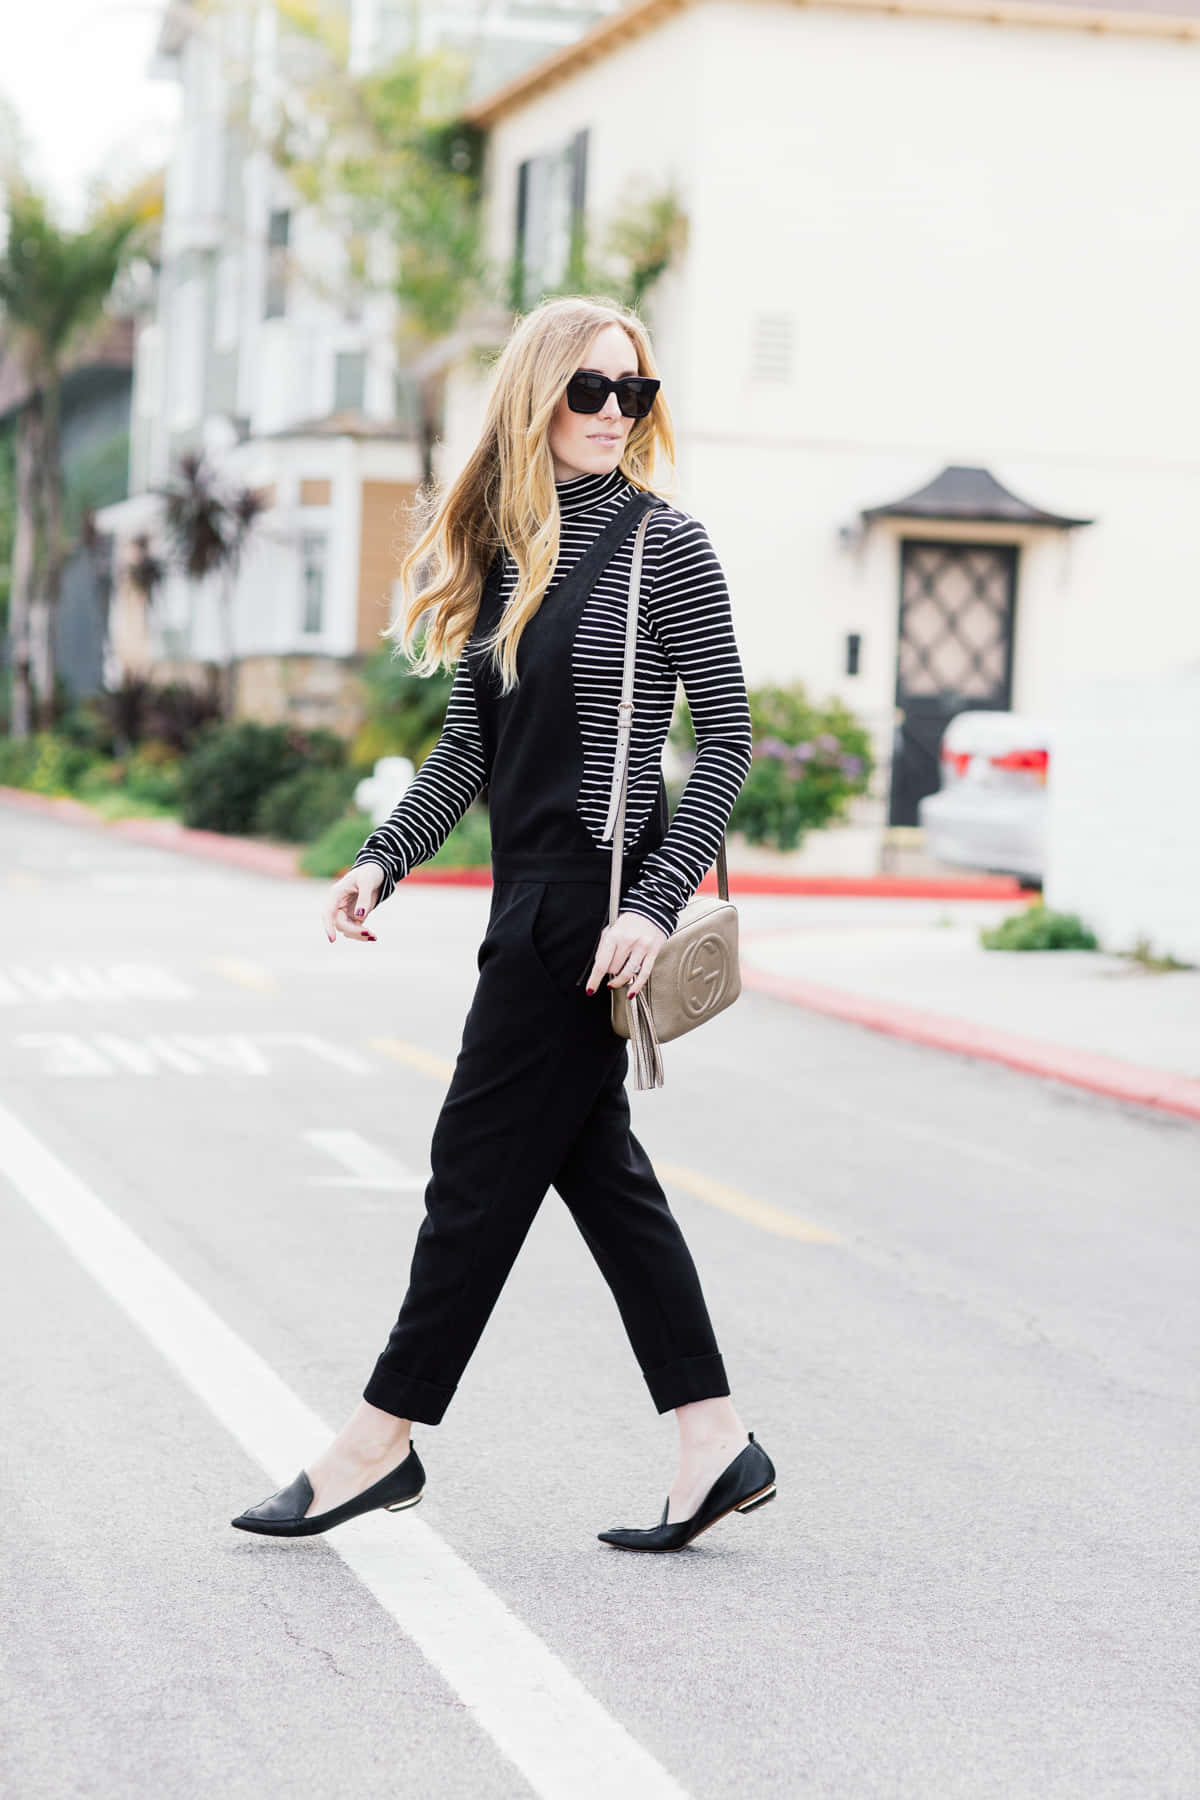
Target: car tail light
(958, 760)
(1027, 762)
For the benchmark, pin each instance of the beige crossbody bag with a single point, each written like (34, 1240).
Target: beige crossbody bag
(696, 972)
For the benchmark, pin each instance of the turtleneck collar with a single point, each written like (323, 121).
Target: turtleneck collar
(583, 491)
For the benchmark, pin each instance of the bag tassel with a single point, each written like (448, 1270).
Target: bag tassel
(647, 1053)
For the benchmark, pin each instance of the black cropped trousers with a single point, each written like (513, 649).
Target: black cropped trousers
(537, 1100)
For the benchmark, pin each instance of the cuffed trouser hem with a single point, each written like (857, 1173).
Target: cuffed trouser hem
(408, 1397)
(689, 1378)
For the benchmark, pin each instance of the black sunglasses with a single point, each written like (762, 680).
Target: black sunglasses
(587, 392)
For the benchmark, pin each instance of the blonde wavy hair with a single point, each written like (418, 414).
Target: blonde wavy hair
(505, 494)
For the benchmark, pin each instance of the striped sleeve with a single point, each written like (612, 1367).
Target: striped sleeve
(688, 610)
(438, 795)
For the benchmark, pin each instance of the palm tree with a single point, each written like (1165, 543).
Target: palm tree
(208, 524)
(145, 570)
(54, 284)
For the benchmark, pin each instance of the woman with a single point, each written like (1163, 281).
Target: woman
(531, 552)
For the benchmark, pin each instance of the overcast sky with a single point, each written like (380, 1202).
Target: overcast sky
(74, 73)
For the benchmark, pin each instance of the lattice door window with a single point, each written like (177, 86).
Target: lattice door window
(954, 652)
(956, 621)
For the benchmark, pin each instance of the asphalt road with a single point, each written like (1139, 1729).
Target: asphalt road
(957, 1304)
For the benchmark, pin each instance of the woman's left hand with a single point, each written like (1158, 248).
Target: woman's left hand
(626, 952)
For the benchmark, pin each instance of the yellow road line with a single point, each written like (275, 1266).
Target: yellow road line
(746, 1207)
(414, 1056)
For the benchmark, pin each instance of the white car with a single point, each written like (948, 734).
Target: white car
(990, 810)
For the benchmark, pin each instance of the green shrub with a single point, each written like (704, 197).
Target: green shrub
(808, 762)
(336, 848)
(145, 781)
(154, 772)
(104, 779)
(404, 713)
(1039, 928)
(233, 766)
(469, 845)
(44, 763)
(17, 759)
(302, 807)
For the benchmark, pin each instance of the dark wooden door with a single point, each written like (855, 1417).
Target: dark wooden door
(957, 604)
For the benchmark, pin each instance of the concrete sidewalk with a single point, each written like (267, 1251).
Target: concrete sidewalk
(915, 968)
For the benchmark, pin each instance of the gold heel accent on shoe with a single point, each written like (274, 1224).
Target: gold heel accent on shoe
(399, 1505)
(756, 1500)
(750, 1462)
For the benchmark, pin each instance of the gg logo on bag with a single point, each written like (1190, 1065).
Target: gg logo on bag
(704, 974)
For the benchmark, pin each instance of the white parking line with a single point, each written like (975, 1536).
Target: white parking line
(180, 1053)
(535, 1710)
(54, 982)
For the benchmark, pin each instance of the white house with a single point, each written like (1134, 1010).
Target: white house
(931, 348)
(259, 352)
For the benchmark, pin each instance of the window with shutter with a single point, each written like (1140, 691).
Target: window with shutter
(550, 216)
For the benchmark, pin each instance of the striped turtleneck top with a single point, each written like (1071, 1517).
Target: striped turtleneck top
(685, 632)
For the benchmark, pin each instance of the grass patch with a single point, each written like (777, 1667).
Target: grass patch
(120, 805)
(1157, 965)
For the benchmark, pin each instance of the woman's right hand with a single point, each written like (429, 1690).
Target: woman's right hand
(351, 901)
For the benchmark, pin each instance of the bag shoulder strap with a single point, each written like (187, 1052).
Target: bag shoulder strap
(614, 824)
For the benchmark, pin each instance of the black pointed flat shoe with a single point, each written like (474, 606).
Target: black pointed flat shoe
(747, 1483)
(282, 1514)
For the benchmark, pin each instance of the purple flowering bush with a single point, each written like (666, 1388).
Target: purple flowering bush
(809, 761)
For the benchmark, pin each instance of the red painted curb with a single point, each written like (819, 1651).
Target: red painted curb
(869, 887)
(243, 853)
(1159, 1088)
(873, 887)
(61, 804)
(166, 834)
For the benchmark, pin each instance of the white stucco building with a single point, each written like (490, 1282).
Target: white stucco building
(931, 349)
(260, 352)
